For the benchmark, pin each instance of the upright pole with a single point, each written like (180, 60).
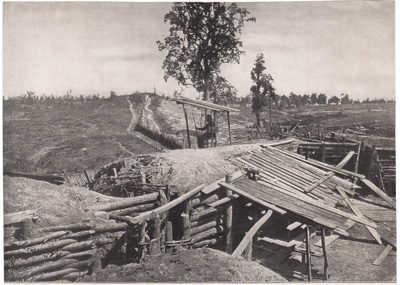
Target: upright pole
(229, 129)
(308, 252)
(270, 112)
(215, 122)
(325, 255)
(187, 125)
(228, 218)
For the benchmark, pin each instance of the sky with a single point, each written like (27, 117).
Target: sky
(95, 47)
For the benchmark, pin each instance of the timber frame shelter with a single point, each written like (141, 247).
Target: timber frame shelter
(215, 108)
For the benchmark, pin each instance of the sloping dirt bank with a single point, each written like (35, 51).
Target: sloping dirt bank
(199, 265)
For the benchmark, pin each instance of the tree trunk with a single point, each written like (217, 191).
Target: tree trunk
(258, 117)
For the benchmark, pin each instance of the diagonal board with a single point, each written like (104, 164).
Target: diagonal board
(383, 255)
(308, 202)
(356, 211)
(378, 191)
(248, 237)
(345, 160)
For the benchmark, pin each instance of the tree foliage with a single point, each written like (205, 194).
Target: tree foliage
(202, 36)
(262, 89)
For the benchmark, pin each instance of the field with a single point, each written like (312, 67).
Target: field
(73, 136)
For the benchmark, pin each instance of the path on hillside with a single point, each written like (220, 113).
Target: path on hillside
(131, 129)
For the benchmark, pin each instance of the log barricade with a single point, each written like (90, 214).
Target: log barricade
(190, 220)
(68, 252)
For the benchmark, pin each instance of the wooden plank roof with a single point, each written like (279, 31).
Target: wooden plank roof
(205, 105)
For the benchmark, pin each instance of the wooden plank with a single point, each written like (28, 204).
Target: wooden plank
(214, 186)
(383, 255)
(250, 234)
(320, 205)
(224, 200)
(321, 165)
(293, 226)
(356, 211)
(345, 160)
(252, 198)
(187, 125)
(319, 182)
(17, 217)
(146, 215)
(379, 192)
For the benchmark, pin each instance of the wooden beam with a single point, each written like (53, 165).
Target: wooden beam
(383, 255)
(308, 253)
(250, 234)
(214, 186)
(228, 217)
(17, 217)
(293, 226)
(229, 128)
(223, 200)
(378, 191)
(319, 182)
(345, 160)
(319, 164)
(326, 264)
(356, 211)
(187, 125)
(254, 199)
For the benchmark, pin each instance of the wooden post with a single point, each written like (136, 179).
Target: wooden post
(308, 253)
(228, 218)
(130, 244)
(229, 129)
(325, 255)
(154, 246)
(323, 149)
(215, 123)
(300, 150)
(248, 252)
(187, 125)
(186, 219)
(371, 162)
(142, 241)
(319, 134)
(168, 235)
(307, 155)
(168, 192)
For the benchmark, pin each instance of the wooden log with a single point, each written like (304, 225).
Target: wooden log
(83, 264)
(15, 218)
(254, 199)
(323, 152)
(326, 264)
(207, 242)
(371, 161)
(383, 255)
(154, 246)
(142, 241)
(53, 275)
(223, 201)
(48, 266)
(70, 227)
(356, 211)
(204, 199)
(127, 202)
(76, 246)
(308, 254)
(73, 276)
(207, 233)
(206, 226)
(78, 234)
(50, 246)
(168, 235)
(42, 239)
(110, 227)
(249, 236)
(134, 209)
(81, 254)
(228, 217)
(379, 192)
(35, 259)
(146, 215)
(186, 226)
